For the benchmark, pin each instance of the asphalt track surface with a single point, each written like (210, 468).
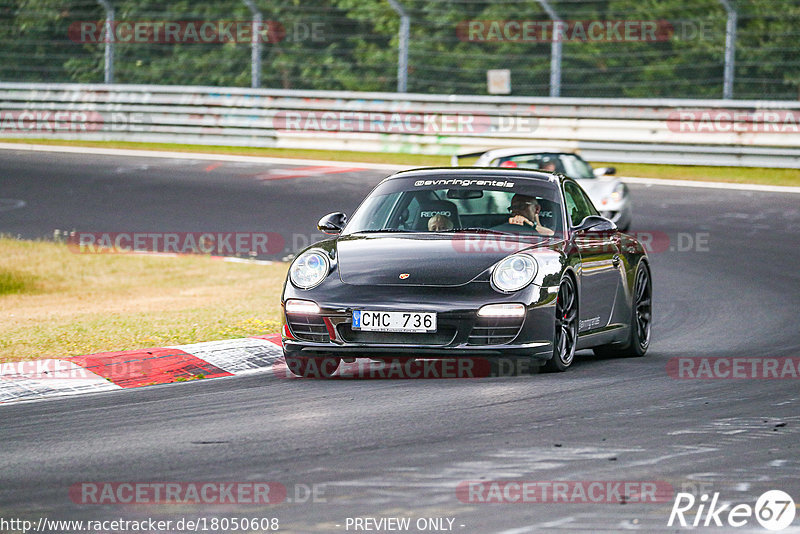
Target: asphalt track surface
(399, 448)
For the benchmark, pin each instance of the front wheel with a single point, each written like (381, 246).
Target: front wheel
(312, 366)
(566, 331)
(641, 320)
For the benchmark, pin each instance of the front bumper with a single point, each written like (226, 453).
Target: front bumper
(460, 331)
(620, 214)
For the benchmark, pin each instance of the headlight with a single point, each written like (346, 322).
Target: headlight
(514, 273)
(618, 193)
(309, 270)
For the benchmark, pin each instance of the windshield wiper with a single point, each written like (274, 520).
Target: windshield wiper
(381, 230)
(476, 229)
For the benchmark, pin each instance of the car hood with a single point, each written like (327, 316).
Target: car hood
(428, 260)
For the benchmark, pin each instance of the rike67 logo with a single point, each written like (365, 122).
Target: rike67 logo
(774, 510)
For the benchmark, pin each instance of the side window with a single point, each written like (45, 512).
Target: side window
(577, 206)
(588, 202)
(569, 204)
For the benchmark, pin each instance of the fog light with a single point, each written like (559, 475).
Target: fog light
(304, 307)
(502, 310)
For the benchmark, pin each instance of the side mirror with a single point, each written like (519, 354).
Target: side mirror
(596, 224)
(332, 223)
(604, 171)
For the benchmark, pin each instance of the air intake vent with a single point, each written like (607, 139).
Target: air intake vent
(495, 330)
(308, 328)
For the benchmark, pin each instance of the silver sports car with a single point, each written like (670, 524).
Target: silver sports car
(608, 193)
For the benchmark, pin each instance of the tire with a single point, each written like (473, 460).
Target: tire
(312, 366)
(641, 320)
(565, 338)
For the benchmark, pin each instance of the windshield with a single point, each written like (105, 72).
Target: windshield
(570, 165)
(525, 207)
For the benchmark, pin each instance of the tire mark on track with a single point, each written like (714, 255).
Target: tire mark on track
(8, 204)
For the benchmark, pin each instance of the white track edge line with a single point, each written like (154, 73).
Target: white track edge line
(375, 166)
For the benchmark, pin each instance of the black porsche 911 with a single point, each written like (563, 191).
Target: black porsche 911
(461, 262)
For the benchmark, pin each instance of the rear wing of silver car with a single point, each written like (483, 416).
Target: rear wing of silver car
(454, 159)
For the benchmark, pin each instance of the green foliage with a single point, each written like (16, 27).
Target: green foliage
(15, 283)
(356, 42)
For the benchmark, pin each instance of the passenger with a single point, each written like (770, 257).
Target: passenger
(439, 223)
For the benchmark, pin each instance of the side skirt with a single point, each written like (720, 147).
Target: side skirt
(611, 334)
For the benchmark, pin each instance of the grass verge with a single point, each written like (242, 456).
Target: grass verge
(56, 303)
(422, 160)
(750, 175)
(736, 175)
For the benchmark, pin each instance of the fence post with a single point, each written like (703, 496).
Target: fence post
(108, 67)
(402, 47)
(255, 45)
(730, 50)
(555, 50)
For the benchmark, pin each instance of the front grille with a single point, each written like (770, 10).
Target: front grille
(495, 330)
(308, 328)
(443, 336)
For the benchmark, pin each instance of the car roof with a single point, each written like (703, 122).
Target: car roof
(480, 172)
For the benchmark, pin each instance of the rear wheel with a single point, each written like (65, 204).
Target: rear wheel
(641, 319)
(312, 366)
(566, 331)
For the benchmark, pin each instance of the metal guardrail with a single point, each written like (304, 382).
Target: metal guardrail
(669, 131)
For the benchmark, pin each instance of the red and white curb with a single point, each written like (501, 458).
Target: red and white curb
(107, 371)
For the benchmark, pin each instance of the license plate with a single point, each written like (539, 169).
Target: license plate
(382, 321)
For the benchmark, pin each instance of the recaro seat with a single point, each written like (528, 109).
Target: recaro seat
(429, 208)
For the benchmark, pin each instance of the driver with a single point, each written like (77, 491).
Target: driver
(548, 165)
(525, 212)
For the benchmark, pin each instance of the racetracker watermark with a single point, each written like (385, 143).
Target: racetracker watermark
(37, 120)
(194, 32)
(565, 491)
(654, 241)
(44, 370)
(405, 122)
(403, 368)
(207, 492)
(734, 121)
(177, 493)
(546, 31)
(733, 368)
(214, 243)
(118, 368)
